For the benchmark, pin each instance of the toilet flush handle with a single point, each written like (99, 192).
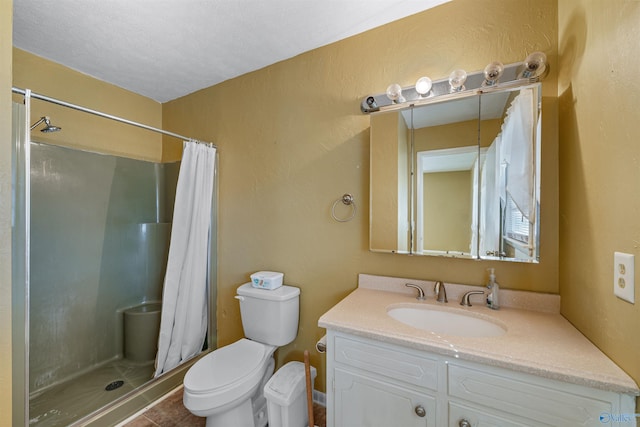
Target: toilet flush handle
(238, 297)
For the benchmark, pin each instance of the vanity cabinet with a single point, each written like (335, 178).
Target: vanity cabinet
(380, 386)
(364, 400)
(373, 383)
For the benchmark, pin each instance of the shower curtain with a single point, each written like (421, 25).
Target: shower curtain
(517, 152)
(183, 324)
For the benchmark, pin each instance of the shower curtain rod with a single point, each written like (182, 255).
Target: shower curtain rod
(104, 115)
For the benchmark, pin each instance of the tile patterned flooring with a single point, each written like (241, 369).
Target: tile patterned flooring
(170, 412)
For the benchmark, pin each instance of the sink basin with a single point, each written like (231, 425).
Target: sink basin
(447, 322)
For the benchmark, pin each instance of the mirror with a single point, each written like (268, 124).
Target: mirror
(458, 177)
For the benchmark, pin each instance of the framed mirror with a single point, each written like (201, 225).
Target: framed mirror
(458, 177)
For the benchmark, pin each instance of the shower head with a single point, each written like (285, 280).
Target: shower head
(48, 126)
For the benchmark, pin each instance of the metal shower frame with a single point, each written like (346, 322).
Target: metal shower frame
(28, 94)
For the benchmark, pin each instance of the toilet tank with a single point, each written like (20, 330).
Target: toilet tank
(269, 316)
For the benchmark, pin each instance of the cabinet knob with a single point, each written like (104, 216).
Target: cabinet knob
(421, 412)
(464, 423)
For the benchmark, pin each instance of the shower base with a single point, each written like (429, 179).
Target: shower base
(68, 402)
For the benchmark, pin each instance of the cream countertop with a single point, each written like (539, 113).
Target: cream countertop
(541, 343)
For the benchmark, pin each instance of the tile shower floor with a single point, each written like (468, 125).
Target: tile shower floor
(70, 401)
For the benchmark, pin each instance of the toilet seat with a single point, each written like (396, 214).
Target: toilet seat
(228, 372)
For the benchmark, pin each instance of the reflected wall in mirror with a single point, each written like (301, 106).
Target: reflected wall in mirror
(458, 177)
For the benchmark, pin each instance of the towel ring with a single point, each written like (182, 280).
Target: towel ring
(346, 199)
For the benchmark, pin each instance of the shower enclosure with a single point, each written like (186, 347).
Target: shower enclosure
(95, 232)
(99, 244)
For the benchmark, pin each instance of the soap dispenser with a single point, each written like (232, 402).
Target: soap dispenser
(494, 290)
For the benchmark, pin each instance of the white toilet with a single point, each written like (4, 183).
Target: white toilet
(227, 385)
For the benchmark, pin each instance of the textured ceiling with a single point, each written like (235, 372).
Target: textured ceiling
(165, 49)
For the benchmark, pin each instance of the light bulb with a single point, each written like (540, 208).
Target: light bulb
(457, 79)
(534, 65)
(423, 86)
(492, 73)
(394, 93)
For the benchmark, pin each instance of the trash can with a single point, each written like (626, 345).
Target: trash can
(286, 394)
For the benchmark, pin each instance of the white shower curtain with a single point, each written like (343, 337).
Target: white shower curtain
(473, 246)
(490, 200)
(183, 324)
(518, 134)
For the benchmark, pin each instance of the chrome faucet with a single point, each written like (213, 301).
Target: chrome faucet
(440, 291)
(420, 296)
(465, 298)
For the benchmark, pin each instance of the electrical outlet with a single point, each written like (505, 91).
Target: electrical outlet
(623, 276)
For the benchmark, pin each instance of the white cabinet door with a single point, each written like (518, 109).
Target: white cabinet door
(477, 417)
(364, 401)
(548, 402)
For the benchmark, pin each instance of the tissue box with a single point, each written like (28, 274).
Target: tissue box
(267, 279)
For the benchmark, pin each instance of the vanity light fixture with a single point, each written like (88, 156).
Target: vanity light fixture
(371, 103)
(492, 73)
(459, 84)
(394, 93)
(456, 80)
(535, 65)
(423, 86)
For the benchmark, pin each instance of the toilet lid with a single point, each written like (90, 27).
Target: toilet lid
(225, 366)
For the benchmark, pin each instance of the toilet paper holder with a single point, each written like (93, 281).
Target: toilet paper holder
(321, 345)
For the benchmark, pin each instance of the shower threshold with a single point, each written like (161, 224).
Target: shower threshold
(68, 402)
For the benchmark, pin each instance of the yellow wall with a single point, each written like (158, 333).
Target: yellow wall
(292, 140)
(598, 90)
(447, 205)
(82, 130)
(461, 134)
(6, 12)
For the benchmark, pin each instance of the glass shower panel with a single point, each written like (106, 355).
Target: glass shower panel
(100, 229)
